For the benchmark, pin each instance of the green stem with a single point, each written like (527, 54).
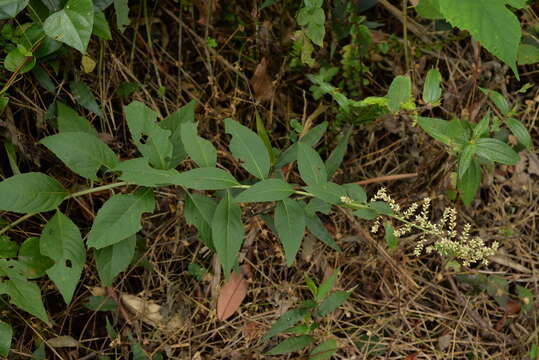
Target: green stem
(70, 196)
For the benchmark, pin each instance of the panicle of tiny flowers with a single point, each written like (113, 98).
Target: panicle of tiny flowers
(447, 241)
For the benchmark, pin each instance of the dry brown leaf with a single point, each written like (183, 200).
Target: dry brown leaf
(261, 82)
(444, 341)
(231, 296)
(63, 341)
(151, 313)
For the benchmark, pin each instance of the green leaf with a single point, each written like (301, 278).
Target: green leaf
(138, 171)
(356, 192)
(328, 192)
(22, 293)
(121, 8)
(201, 151)
(332, 302)
(151, 140)
(334, 161)
(43, 79)
(17, 61)
(286, 321)
(527, 54)
(381, 207)
(437, 128)
(8, 248)
(290, 226)
(291, 344)
(207, 178)
(101, 26)
(266, 190)
(469, 184)
(72, 25)
(70, 121)
(431, 89)
(5, 338)
(62, 242)
(526, 298)
(497, 151)
(173, 123)
(311, 167)
(520, 131)
(399, 93)
(199, 211)
(311, 138)
(317, 228)
(262, 132)
(429, 9)
(366, 214)
(465, 158)
(313, 19)
(30, 192)
(391, 239)
(324, 351)
(114, 259)
(498, 99)
(83, 153)
(119, 218)
(490, 22)
(10, 8)
(248, 148)
(100, 303)
(316, 205)
(33, 263)
(327, 285)
(84, 97)
(482, 127)
(227, 232)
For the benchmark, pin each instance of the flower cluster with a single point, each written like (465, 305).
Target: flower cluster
(448, 241)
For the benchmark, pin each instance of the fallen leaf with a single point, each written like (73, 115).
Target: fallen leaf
(63, 341)
(231, 296)
(444, 341)
(261, 82)
(411, 357)
(152, 313)
(87, 64)
(512, 307)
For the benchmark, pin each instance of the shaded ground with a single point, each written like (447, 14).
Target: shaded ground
(402, 307)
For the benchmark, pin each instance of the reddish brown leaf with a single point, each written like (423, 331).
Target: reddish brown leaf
(261, 82)
(411, 357)
(231, 296)
(512, 307)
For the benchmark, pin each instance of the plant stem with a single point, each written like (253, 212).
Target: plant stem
(70, 196)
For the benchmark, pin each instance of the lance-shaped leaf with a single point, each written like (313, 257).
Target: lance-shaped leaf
(72, 25)
(201, 151)
(119, 218)
(22, 293)
(328, 192)
(249, 148)
(114, 259)
(61, 241)
(227, 232)
(173, 123)
(151, 140)
(490, 22)
(5, 338)
(138, 171)
(83, 153)
(311, 138)
(291, 344)
(31, 260)
(209, 178)
(199, 211)
(290, 225)
(336, 157)
(30, 192)
(311, 167)
(470, 182)
(266, 190)
(70, 121)
(496, 150)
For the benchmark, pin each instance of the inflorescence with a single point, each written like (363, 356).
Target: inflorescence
(447, 240)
